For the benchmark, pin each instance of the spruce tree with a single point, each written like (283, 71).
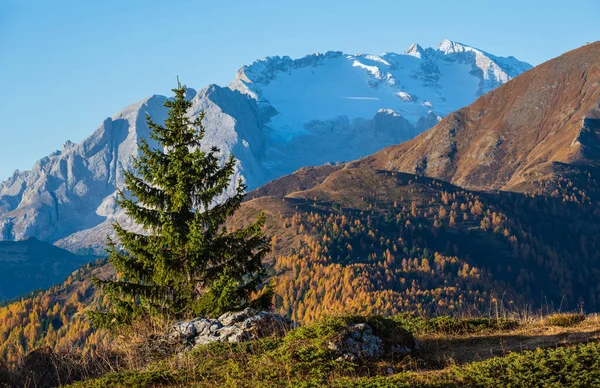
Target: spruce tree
(187, 262)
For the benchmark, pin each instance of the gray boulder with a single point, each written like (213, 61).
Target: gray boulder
(245, 325)
(358, 342)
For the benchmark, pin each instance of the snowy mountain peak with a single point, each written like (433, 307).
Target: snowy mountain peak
(450, 47)
(415, 50)
(264, 70)
(356, 86)
(389, 112)
(279, 114)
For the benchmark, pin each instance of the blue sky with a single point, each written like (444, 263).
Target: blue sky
(67, 65)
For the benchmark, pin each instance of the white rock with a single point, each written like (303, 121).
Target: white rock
(239, 326)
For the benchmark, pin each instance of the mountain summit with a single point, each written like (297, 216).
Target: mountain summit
(520, 220)
(537, 131)
(278, 115)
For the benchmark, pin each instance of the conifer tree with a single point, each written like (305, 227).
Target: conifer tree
(187, 262)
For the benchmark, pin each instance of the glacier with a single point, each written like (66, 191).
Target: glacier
(278, 114)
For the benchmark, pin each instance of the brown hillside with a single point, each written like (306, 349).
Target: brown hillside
(541, 125)
(538, 133)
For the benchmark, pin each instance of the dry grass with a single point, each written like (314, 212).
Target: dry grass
(441, 353)
(132, 348)
(46, 367)
(440, 350)
(144, 342)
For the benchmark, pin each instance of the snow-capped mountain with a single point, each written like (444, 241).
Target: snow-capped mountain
(278, 115)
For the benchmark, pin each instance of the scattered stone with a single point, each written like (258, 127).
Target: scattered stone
(358, 342)
(245, 325)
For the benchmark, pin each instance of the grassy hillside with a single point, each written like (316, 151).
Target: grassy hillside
(532, 352)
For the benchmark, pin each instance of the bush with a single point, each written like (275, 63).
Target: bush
(565, 319)
(391, 331)
(577, 366)
(451, 325)
(416, 324)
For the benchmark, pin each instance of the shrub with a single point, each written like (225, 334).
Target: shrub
(416, 324)
(577, 366)
(391, 331)
(451, 325)
(565, 319)
(309, 352)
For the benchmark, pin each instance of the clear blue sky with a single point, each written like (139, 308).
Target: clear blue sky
(67, 65)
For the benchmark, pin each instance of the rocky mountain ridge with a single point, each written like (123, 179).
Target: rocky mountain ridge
(539, 129)
(277, 116)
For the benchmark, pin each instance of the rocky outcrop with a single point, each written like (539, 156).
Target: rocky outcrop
(358, 342)
(245, 325)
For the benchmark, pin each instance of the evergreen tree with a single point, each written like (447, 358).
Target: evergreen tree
(187, 263)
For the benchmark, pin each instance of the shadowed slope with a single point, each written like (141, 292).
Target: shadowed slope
(32, 265)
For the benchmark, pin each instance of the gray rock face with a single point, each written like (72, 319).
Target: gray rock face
(245, 325)
(278, 115)
(358, 342)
